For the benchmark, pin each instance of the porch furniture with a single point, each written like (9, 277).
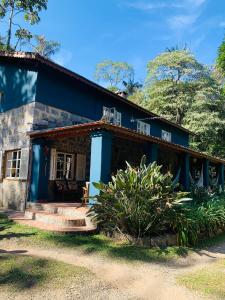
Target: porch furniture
(66, 189)
(86, 190)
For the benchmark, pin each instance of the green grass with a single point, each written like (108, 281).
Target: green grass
(20, 273)
(209, 281)
(98, 244)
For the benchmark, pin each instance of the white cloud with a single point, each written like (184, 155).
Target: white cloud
(182, 21)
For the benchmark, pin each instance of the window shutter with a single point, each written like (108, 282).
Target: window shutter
(138, 126)
(81, 167)
(148, 127)
(118, 118)
(53, 164)
(1, 164)
(24, 162)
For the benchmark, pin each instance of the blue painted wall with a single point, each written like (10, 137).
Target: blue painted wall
(18, 85)
(22, 84)
(64, 93)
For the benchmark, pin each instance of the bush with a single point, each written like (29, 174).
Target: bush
(138, 201)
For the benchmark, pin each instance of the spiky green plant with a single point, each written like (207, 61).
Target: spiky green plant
(139, 201)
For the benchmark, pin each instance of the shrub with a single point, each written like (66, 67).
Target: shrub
(138, 201)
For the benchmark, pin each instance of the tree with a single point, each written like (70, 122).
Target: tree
(131, 86)
(113, 73)
(172, 81)
(44, 47)
(220, 62)
(206, 118)
(10, 10)
(184, 91)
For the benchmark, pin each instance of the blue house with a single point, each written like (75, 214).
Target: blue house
(60, 131)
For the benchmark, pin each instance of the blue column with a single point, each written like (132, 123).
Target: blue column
(221, 176)
(152, 153)
(185, 171)
(206, 173)
(39, 171)
(101, 155)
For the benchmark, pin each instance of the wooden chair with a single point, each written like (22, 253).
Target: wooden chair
(86, 190)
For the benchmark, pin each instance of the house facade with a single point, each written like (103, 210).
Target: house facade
(59, 131)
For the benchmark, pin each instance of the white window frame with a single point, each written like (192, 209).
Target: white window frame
(166, 136)
(111, 115)
(64, 166)
(143, 127)
(9, 164)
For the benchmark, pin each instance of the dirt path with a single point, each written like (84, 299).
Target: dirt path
(134, 280)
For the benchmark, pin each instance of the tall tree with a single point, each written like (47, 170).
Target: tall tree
(131, 86)
(44, 47)
(11, 10)
(172, 81)
(220, 62)
(113, 73)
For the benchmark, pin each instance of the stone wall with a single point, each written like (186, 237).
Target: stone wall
(14, 125)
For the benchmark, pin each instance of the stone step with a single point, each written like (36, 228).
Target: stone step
(55, 219)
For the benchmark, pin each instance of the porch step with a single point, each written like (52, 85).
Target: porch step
(55, 219)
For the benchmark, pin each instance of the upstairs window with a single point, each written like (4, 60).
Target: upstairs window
(166, 135)
(143, 127)
(13, 164)
(111, 115)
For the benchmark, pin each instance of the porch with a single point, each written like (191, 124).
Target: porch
(66, 159)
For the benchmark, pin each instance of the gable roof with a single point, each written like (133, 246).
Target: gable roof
(37, 58)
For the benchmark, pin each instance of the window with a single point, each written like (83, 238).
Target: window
(143, 127)
(64, 166)
(13, 164)
(166, 135)
(111, 115)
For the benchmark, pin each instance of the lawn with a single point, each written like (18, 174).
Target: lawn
(209, 280)
(98, 244)
(21, 273)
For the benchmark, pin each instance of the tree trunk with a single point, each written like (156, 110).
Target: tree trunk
(9, 33)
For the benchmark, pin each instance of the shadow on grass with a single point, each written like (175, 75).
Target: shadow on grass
(21, 272)
(101, 244)
(91, 244)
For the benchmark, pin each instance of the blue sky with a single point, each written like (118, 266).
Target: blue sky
(131, 30)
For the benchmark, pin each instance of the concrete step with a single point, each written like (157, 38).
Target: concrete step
(55, 219)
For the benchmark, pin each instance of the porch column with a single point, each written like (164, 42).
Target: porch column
(40, 166)
(101, 154)
(185, 171)
(206, 173)
(152, 153)
(221, 176)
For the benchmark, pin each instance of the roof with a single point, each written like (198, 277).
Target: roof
(86, 128)
(36, 58)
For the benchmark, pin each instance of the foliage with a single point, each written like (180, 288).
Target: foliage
(29, 9)
(17, 36)
(172, 81)
(221, 57)
(131, 86)
(113, 73)
(138, 202)
(181, 89)
(44, 47)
